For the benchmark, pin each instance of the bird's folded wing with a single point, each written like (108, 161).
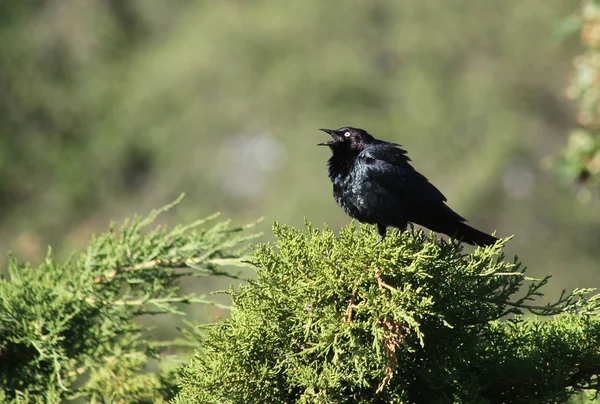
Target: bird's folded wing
(389, 166)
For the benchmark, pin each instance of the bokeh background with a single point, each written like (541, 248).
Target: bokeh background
(113, 107)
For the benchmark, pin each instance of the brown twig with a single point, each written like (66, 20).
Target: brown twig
(177, 262)
(351, 306)
(392, 338)
(382, 284)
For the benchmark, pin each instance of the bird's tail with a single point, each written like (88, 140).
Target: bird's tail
(473, 236)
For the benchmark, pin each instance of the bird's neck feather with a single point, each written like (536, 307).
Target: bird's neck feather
(340, 164)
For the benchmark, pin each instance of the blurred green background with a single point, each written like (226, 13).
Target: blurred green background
(111, 107)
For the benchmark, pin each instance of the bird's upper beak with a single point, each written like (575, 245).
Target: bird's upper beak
(332, 133)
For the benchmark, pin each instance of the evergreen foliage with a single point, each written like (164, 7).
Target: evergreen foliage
(331, 319)
(68, 330)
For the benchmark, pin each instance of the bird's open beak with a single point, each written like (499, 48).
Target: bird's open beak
(332, 133)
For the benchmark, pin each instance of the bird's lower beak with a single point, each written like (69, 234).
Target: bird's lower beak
(332, 133)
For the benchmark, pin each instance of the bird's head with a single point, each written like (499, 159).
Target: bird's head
(347, 139)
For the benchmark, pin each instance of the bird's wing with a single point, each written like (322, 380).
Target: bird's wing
(389, 166)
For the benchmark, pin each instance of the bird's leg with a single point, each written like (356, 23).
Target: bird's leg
(382, 229)
(401, 229)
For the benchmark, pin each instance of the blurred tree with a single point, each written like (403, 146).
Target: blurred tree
(581, 156)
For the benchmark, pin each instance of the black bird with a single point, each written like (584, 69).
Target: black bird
(374, 183)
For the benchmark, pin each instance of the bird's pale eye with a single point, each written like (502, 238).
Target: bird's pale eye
(346, 134)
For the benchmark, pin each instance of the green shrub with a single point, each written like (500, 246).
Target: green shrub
(69, 330)
(331, 319)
